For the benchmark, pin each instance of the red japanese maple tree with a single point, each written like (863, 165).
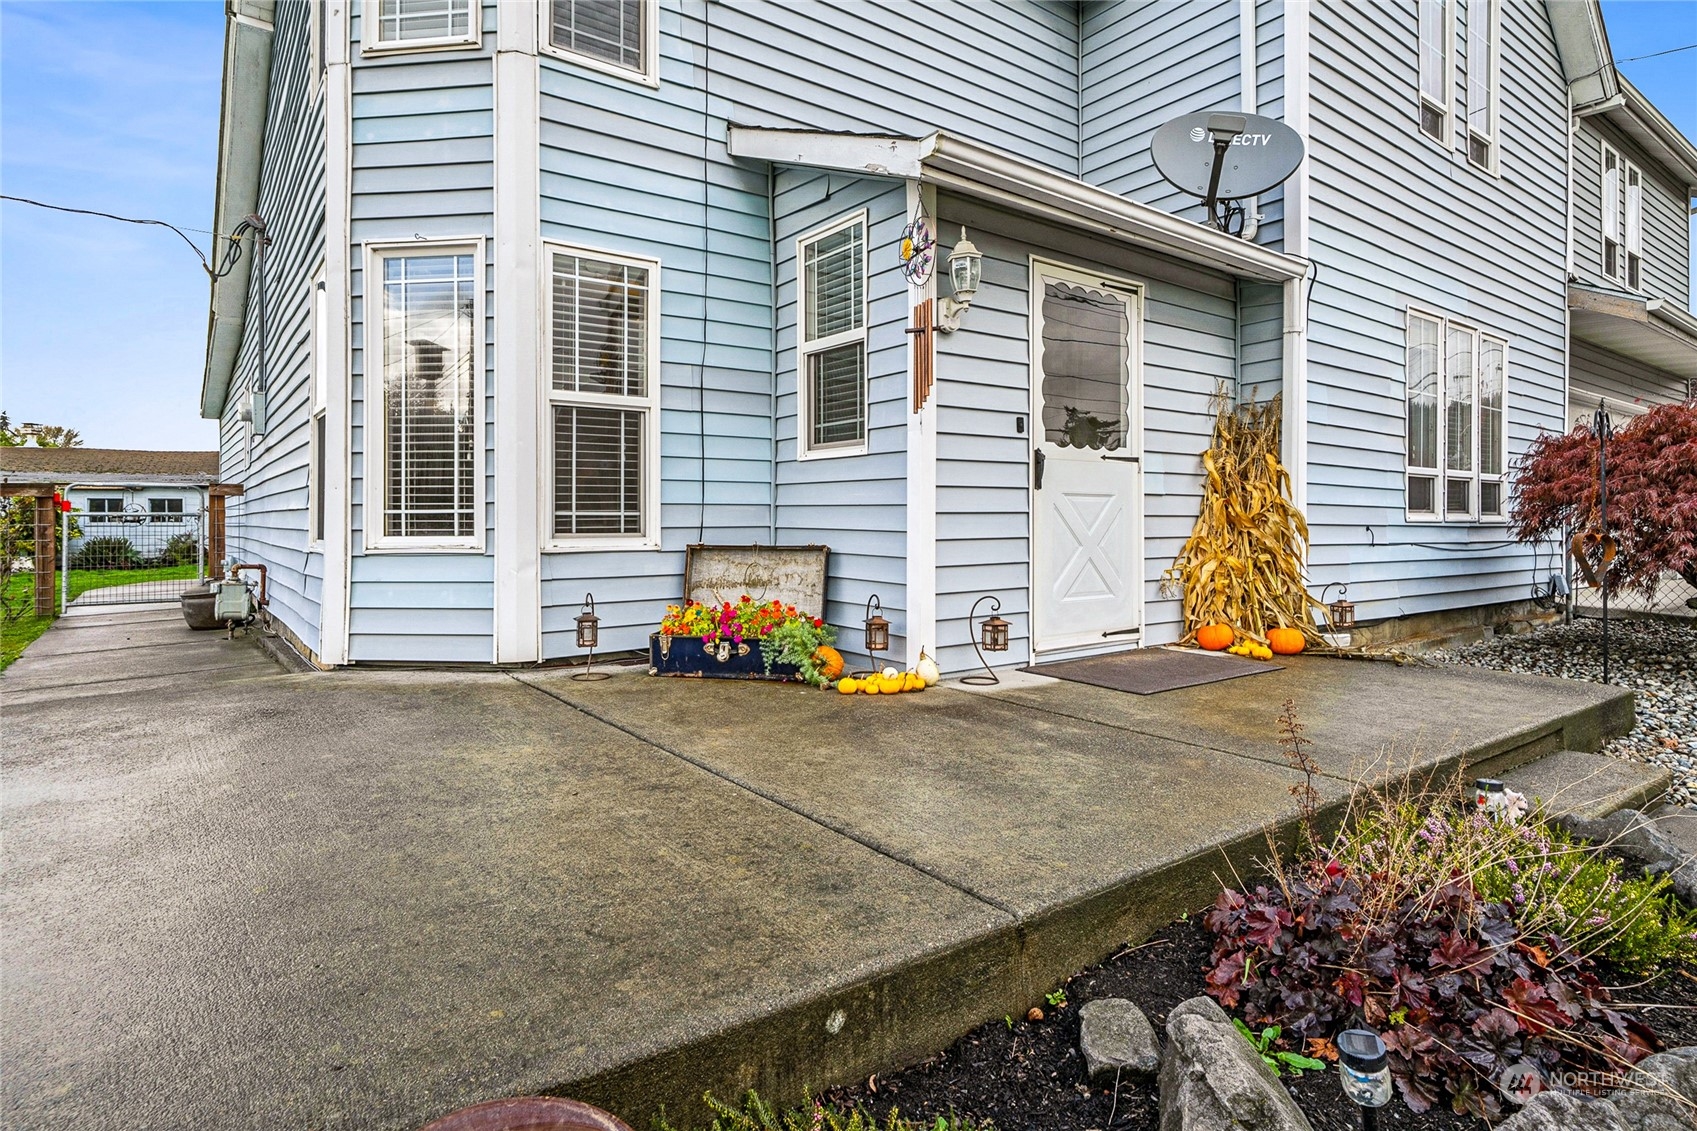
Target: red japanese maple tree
(1652, 494)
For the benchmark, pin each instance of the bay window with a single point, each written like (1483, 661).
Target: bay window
(1455, 390)
(603, 319)
(422, 411)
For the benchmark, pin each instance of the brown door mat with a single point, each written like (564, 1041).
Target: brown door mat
(1148, 671)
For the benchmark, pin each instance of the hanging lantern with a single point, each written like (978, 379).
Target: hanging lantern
(877, 628)
(1342, 611)
(588, 624)
(992, 636)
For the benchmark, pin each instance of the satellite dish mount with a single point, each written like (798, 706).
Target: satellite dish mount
(1225, 158)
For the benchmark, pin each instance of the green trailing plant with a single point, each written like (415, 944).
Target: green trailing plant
(1283, 1062)
(755, 1114)
(794, 641)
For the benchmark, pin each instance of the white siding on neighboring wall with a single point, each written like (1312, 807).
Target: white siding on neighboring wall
(268, 524)
(1398, 220)
(983, 387)
(423, 151)
(1598, 373)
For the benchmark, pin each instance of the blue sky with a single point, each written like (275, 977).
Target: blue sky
(114, 106)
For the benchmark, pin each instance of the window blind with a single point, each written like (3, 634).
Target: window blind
(597, 470)
(610, 30)
(600, 329)
(836, 283)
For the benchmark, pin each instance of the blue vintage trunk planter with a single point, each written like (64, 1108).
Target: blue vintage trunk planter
(688, 656)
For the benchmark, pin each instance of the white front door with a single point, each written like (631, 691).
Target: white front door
(1087, 481)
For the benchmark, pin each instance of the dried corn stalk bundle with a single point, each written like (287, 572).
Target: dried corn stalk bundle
(1243, 564)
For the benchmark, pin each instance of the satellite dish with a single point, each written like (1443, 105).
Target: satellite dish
(1259, 157)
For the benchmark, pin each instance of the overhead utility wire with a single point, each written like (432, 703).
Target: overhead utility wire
(1615, 63)
(230, 257)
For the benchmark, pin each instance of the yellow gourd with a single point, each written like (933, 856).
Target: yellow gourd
(848, 686)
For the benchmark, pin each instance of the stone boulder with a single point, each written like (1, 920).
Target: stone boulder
(1117, 1041)
(1659, 1095)
(1630, 834)
(1212, 1079)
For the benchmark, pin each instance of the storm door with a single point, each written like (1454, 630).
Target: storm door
(1087, 483)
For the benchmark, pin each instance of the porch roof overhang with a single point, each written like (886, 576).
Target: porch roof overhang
(979, 171)
(1646, 330)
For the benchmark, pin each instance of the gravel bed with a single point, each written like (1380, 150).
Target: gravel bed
(1656, 659)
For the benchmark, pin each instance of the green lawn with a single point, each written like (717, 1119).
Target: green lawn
(17, 634)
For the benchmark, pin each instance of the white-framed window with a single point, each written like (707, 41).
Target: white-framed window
(1456, 394)
(603, 327)
(105, 509)
(407, 25)
(1623, 219)
(1436, 34)
(620, 37)
(1482, 82)
(315, 31)
(316, 409)
(165, 510)
(831, 338)
(423, 408)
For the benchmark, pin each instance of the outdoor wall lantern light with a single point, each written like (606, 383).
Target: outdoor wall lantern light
(1342, 611)
(877, 628)
(966, 270)
(588, 636)
(1365, 1073)
(993, 634)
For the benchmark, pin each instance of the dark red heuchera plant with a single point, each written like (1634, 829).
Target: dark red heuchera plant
(1652, 494)
(1445, 975)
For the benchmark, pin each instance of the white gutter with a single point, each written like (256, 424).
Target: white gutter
(979, 171)
(241, 147)
(1295, 352)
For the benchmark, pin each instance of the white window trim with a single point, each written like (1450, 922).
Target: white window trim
(1631, 225)
(1440, 496)
(369, 44)
(649, 404)
(317, 27)
(318, 379)
(1446, 108)
(648, 76)
(1493, 93)
(804, 349)
(374, 541)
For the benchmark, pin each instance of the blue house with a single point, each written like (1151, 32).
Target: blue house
(547, 293)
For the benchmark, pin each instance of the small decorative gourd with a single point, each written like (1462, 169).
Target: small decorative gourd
(1285, 641)
(1214, 637)
(928, 670)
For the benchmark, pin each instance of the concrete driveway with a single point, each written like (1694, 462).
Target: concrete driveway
(241, 896)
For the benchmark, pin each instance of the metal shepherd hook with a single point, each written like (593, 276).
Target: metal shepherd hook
(1604, 427)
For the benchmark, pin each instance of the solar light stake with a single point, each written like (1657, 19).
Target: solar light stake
(588, 636)
(1365, 1073)
(993, 634)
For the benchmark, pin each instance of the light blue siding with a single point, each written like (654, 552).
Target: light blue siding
(1667, 226)
(1404, 221)
(984, 390)
(855, 504)
(268, 525)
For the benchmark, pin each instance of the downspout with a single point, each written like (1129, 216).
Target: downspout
(1247, 49)
(772, 386)
(1295, 352)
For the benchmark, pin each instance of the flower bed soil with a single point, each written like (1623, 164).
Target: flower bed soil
(1030, 1076)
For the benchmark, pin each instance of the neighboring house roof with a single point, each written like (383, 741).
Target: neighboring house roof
(1638, 118)
(1583, 44)
(106, 467)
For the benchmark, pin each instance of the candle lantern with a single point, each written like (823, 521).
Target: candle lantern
(992, 637)
(588, 636)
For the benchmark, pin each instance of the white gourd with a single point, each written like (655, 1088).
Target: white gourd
(928, 670)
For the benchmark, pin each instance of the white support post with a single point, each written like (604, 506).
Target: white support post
(921, 628)
(333, 611)
(519, 410)
(1296, 44)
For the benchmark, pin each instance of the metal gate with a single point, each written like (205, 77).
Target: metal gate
(121, 557)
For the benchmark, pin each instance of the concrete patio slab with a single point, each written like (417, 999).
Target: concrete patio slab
(239, 896)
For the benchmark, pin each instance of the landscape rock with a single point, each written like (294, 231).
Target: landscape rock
(1201, 1006)
(1559, 1111)
(1212, 1080)
(1117, 1041)
(1631, 834)
(1661, 1093)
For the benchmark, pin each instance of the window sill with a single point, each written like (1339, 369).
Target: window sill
(402, 47)
(611, 545)
(424, 546)
(807, 456)
(648, 78)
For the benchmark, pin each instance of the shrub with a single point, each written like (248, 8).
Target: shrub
(1468, 941)
(756, 1114)
(106, 553)
(181, 549)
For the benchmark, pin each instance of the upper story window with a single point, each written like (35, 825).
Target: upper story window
(831, 358)
(401, 24)
(617, 36)
(422, 413)
(1456, 387)
(1623, 219)
(318, 440)
(1436, 35)
(603, 318)
(1482, 79)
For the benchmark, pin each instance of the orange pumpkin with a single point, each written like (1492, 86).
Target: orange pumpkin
(829, 661)
(1285, 641)
(1214, 637)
